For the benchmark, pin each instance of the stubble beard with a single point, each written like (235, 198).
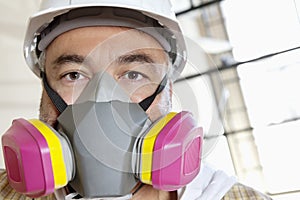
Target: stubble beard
(48, 112)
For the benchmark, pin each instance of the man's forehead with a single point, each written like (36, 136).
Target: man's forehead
(106, 44)
(106, 38)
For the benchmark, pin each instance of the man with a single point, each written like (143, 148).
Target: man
(69, 43)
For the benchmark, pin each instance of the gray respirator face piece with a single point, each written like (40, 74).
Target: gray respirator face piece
(102, 127)
(109, 142)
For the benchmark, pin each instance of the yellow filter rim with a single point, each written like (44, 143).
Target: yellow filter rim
(56, 153)
(148, 146)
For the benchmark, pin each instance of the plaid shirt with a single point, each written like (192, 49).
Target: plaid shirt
(7, 193)
(237, 192)
(242, 192)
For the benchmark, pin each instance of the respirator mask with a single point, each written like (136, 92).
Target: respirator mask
(104, 145)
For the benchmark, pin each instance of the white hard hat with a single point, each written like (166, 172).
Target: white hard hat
(160, 11)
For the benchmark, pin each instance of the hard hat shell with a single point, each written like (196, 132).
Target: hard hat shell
(160, 11)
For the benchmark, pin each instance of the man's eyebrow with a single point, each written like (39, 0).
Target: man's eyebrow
(72, 58)
(135, 57)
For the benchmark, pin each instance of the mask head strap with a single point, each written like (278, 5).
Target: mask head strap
(59, 103)
(145, 104)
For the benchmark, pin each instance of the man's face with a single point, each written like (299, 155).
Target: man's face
(134, 59)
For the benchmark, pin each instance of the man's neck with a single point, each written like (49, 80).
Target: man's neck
(147, 192)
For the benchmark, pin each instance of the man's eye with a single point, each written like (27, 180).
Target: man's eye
(134, 76)
(74, 76)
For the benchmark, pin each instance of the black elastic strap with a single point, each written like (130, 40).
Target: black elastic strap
(145, 104)
(59, 103)
(140, 187)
